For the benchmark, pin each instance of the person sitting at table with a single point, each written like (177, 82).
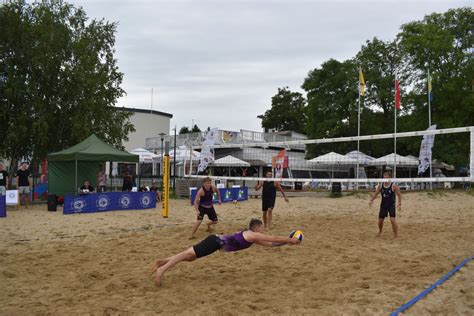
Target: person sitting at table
(154, 187)
(86, 188)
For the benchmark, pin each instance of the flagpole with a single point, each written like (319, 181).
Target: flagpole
(429, 123)
(358, 132)
(395, 134)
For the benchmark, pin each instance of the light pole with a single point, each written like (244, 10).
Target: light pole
(174, 160)
(162, 137)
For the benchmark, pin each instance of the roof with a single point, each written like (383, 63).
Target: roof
(230, 161)
(145, 111)
(92, 149)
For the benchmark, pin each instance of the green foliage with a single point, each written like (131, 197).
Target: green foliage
(59, 80)
(185, 129)
(441, 42)
(332, 103)
(288, 112)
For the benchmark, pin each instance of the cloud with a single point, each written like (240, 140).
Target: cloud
(220, 62)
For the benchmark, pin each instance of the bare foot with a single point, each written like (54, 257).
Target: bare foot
(156, 265)
(395, 236)
(158, 277)
(208, 228)
(379, 234)
(192, 237)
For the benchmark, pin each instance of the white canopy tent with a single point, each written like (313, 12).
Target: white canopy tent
(333, 158)
(229, 161)
(400, 161)
(183, 153)
(363, 158)
(145, 155)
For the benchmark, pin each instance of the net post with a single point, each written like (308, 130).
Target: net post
(471, 165)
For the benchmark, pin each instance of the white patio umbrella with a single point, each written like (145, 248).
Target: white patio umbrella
(145, 155)
(400, 160)
(229, 161)
(333, 158)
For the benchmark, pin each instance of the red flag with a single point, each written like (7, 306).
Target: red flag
(397, 95)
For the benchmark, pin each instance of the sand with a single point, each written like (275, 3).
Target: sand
(97, 263)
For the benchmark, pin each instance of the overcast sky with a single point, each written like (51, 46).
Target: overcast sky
(218, 63)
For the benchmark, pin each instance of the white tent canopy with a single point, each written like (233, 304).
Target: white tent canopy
(230, 161)
(363, 158)
(183, 153)
(400, 160)
(145, 155)
(333, 158)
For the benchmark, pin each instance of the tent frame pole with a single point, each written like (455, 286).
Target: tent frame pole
(75, 177)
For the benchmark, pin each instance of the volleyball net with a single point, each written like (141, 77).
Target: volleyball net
(440, 158)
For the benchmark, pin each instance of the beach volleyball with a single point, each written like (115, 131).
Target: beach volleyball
(297, 234)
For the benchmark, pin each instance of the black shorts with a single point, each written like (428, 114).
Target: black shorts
(268, 203)
(210, 212)
(386, 210)
(210, 244)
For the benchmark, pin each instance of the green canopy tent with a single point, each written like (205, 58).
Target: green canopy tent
(69, 167)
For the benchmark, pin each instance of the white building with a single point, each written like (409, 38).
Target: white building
(147, 123)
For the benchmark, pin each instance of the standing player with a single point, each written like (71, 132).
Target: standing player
(269, 197)
(231, 242)
(387, 206)
(203, 205)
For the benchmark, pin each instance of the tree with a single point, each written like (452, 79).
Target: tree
(186, 130)
(443, 44)
(332, 103)
(288, 112)
(59, 80)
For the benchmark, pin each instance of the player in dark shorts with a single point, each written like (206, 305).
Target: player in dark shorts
(269, 197)
(203, 205)
(388, 190)
(232, 242)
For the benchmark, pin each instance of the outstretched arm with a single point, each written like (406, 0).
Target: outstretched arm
(218, 194)
(278, 186)
(377, 191)
(269, 241)
(196, 200)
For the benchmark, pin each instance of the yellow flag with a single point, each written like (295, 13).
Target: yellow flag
(361, 83)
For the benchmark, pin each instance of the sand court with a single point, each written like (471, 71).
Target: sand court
(97, 263)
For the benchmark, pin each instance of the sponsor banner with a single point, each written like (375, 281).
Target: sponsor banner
(227, 195)
(207, 156)
(425, 151)
(3, 206)
(109, 201)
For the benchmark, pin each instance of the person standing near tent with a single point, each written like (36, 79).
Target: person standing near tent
(387, 206)
(127, 181)
(269, 197)
(101, 180)
(203, 205)
(23, 183)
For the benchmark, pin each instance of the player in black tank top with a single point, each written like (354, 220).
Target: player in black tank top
(269, 197)
(388, 190)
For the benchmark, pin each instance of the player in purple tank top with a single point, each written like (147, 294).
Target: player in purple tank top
(232, 242)
(203, 205)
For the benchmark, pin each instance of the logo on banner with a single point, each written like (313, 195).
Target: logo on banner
(279, 162)
(78, 205)
(145, 200)
(103, 202)
(125, 200)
